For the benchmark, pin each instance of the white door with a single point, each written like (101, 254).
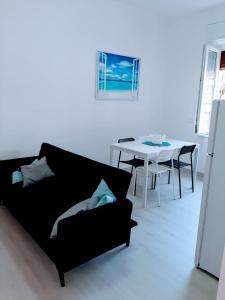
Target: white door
(213, 126)
(208, 87)
(207, 178)
(221, 288)
(214, 227)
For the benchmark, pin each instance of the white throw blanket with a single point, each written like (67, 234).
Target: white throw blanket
(84, 205)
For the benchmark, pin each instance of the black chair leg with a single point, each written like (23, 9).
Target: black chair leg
(192, 177)
(179, 182)
(61, 278)
(132, 169)
(152, 187)
(135, 185)
(169, 178)
(155, 181)
(119, 160)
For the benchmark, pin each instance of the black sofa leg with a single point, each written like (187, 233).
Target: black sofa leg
(128, 240)
(61, 278)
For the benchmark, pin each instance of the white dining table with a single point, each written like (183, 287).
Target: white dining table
(147, 152)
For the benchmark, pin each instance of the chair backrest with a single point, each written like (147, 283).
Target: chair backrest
(187, 149)
(165, 155)
(124, 140)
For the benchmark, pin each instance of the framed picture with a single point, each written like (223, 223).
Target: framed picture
(117, 77)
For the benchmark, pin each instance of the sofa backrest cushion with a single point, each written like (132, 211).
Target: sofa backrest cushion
(84, 174)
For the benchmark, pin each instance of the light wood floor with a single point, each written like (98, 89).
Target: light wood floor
(157, 266)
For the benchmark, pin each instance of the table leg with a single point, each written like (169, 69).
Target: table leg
(111, 156)
(195, 165)
(145, 182)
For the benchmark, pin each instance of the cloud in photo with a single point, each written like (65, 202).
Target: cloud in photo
(124, 64)
(114, 76)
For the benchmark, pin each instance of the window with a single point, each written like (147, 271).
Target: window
(208, 88)
(221, 85)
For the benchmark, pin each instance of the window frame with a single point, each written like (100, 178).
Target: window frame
(205, 56)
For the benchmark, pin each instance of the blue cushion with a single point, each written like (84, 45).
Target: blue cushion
(17, 177)
(103, 194)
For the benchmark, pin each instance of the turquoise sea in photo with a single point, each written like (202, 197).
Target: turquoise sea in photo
(117, 85)
(117, 73)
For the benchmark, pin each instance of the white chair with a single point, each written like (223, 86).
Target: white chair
(157, 169)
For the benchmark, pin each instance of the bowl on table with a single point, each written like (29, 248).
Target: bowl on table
(157, 138)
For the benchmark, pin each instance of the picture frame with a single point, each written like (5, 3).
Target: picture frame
(117, 76)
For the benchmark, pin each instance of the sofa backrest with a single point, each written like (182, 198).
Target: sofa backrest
(83, 173)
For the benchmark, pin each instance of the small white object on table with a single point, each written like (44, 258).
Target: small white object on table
(147, 152)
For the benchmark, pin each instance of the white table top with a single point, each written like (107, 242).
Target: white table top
(137, 147)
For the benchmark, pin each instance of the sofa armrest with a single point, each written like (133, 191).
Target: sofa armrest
(91, 233)
(6, 168)
(10, 165)
(99, 221)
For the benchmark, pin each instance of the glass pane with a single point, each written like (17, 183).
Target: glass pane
(101, 71)
(208, 91)
(222, 84)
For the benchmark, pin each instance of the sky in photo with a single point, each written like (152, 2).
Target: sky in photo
(118, 67)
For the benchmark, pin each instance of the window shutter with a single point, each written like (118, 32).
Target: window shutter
(222, 62)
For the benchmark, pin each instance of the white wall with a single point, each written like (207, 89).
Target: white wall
(184, 45)
(47, 74)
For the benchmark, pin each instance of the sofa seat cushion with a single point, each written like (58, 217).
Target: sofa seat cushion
(39, 205)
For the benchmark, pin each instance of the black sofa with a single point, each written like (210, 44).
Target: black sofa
(80, 237)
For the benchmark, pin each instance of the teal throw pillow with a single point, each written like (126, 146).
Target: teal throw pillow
(103, 194)
(105, 200)
(17, 177)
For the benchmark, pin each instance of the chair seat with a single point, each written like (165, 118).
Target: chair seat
(175, 164)
(158, 169)
(135, 162)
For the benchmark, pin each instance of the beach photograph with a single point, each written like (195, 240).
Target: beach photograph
(117, 76)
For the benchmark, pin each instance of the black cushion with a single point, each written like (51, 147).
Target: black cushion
(75, 170)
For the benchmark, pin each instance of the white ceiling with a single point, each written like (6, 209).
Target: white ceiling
(176, 7)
